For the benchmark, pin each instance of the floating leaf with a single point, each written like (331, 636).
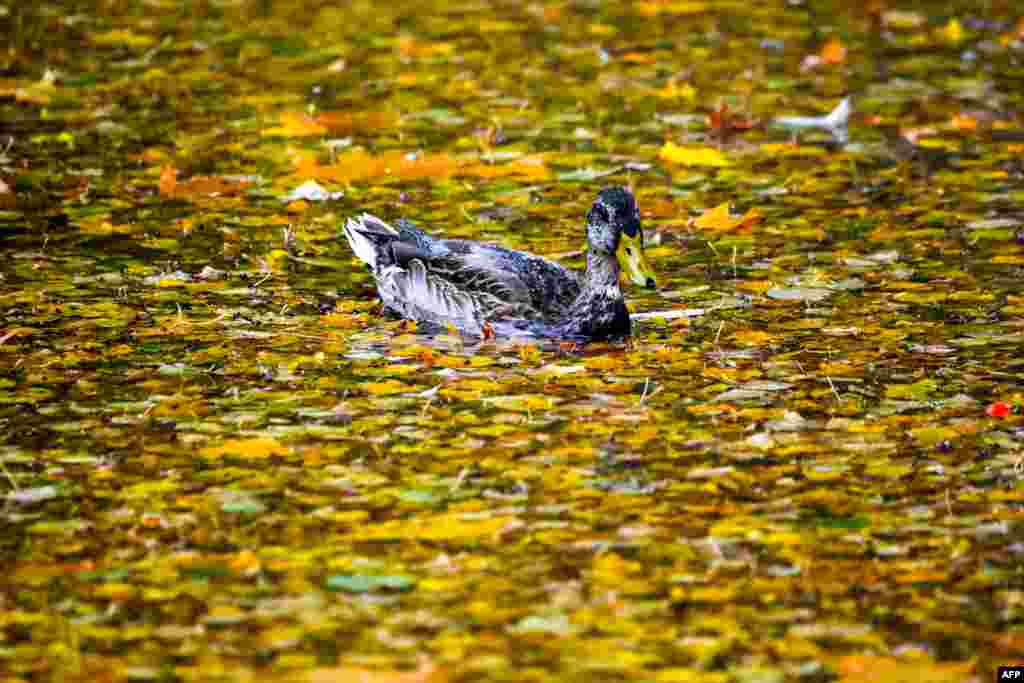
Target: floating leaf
(33, 495)
(257, 448)
(425, 673)
(361, 166)
(170, 186)
(864, 668)
(311, 191)
(652, 8)
(833, 52)
(692, 156)
(122, 38)
(953, 31)
(720, 219)
(998, 409)
(295, 124)
(362, 583)
(673, 89)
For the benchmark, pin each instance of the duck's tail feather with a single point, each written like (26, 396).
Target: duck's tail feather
(367, 235)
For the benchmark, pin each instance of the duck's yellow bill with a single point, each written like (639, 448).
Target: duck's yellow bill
(633, 262)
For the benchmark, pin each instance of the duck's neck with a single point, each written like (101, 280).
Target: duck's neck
(599, 311)
(602, 276)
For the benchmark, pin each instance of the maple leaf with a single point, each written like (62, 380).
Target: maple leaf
(724, 121)
(720, 219)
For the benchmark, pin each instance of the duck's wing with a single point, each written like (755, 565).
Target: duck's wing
(549, 287)
(438, 281)
(418, 292)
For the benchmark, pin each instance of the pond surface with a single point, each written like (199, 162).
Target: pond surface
(220, 461)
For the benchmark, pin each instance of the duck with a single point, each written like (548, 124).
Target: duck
(484, 289)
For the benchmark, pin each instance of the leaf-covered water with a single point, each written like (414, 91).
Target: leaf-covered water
(221, 462)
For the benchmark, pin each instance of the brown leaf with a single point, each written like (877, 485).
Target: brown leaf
(724, 121)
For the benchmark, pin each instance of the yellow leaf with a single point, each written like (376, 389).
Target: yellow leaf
(427, 672)
(692, 156)
(756, 286)
(610, 568)
(607, 362)
(675, 90)
(388, 387)
(720, 219)
(953, 31)
(122, 38)
(654, 7)
(443, 527)
(679, 675)
(776, 149)
(753, 337)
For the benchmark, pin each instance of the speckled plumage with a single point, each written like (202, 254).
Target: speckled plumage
(473, 286)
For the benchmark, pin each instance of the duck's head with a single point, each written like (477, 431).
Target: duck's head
(613, 228)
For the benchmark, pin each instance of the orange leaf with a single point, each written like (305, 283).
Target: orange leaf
(964, 122)
(833, 52)
(639, 58)
(345, 122)
(427, 672)
(864, 668)
(296, 125)
(168, 180)
(247, 448)
(359, 165)
(200, 185)
(528, 168)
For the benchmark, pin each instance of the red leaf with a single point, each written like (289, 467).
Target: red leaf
(998, 409)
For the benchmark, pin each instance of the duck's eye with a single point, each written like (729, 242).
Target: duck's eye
(629, 251)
